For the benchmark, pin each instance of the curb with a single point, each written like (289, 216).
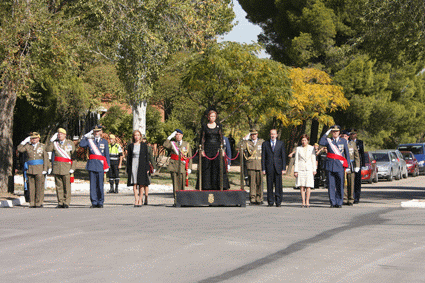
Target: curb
(11, 203)
(416, 203)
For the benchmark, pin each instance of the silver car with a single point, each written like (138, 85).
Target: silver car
(386, 162)
(402, 162)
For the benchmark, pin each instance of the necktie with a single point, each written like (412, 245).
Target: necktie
(273, 144)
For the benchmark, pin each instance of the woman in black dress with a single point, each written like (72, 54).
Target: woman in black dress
(211, 139)
(138, 167)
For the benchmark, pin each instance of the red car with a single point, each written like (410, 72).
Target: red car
(411, 162)
(369, 171)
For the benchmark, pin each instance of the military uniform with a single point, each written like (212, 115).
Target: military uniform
(337, 160)
(355, 163)
(115, 154)
(252, 156)
(97, 165)
(173, 166)
(37, 163)
(63, 156)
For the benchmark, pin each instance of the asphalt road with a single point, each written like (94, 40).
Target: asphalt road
(374, 241)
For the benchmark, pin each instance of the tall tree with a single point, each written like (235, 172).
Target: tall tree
(39, 47)
(141, 35)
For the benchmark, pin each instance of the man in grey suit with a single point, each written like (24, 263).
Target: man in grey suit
(273, 164)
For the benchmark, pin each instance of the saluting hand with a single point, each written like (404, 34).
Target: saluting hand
(25, 141)
(173, 134)
(89, 134)
(54, 137)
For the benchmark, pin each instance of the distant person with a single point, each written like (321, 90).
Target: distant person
(97, 165)
(232, 144)
(35, 168)
(116, 157)
(358, 178)
(305, 169)
(252, 149)
(138, 167)
(177, 146)
(273, 165)
(63, 155)
(338, 158)
(353, 168)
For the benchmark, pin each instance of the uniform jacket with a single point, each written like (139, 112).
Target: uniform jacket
(354, 155)
(335, 165)
(252, 154)
(273, 160)
(305, 160)
(94, 164)
(62, 168)
(33, 153)
(228, 149)
(173, 166)
(360, 148)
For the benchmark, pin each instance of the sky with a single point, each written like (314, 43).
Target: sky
(244, 31)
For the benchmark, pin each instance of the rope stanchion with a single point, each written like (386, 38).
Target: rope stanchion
(233, 158)
(209, 158)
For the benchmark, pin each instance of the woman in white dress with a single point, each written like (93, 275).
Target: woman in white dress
(305, 169)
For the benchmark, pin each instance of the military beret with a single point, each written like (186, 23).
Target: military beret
(62, 130)
(179, 131)
(35, 135)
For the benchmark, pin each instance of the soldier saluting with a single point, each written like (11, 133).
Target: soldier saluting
(63, 166)
(252, 155)
(176, 147)
(35, 168)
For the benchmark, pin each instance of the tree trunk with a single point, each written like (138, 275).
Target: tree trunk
(314, 131)
(139, 116)
(7, 105)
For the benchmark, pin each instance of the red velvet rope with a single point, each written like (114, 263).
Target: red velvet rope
(233, 158)
(218, 152)
(189, 158)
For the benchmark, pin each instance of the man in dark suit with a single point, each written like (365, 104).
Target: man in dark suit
(97, 165)
(273, 164)
(338, 158)
(358, 176)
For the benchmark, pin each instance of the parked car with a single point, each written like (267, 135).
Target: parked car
(418, 149)
(402, 162)
(370, 170)
(388, 167)
(412, 163)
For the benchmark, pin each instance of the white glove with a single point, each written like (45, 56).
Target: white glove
(328, 132)
(189, 171)
(50, 155)
(44, 172)
(347, 170)
(106, 170)
(89, 134)
(54, 137)
(71, 171)
(228, 168)
(25, 141)
(245, 138)
(173, 134)
(49, 171)
(357, 169)
(154, 170)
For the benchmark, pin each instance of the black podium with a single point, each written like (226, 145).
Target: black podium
(211, 198)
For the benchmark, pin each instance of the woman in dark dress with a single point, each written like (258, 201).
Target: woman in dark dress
(138, 167)
(211, 139)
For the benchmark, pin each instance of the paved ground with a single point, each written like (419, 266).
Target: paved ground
(374, 241)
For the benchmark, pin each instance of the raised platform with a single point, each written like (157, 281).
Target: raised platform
(211, 198)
